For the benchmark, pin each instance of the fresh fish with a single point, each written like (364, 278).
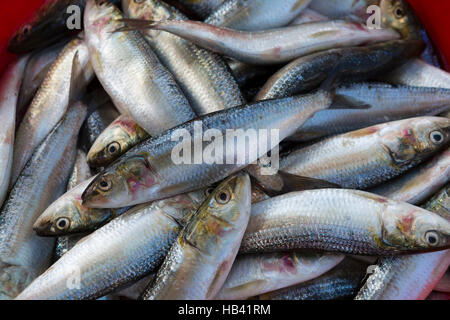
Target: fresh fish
(364, 158)
(357, 63)
(119, 137)
(198, 263)
(10, 84)
(255, 274)
(387, 103)
(131, 73)
(35, 73)
(419, 184)
(409, 277)
(24, 255)
(340, 220)
(68, 215)
(203, 76)
(48, 26)
(148, 171)
(81, 171)
(131, 246)
(271, 46)
(339, 283)
(65, 243)
(256, 15)
(203, 8)
(420, 74)
(98, 121)
(51, 102)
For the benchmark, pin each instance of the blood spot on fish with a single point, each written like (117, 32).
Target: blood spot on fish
(277, 52)
(283, 265)
(407, 222)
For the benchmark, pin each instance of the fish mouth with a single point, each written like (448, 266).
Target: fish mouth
(44, 229)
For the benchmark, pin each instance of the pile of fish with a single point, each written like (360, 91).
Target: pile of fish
(94, 206)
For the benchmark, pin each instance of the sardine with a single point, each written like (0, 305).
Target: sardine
(130, 246)
(363, 158)
(271, 46)
(131, 73)
(9, 91)
(198, 263)
(255, 274)
(339, 283)
(341, 220)
(120, 136)
(51, 102)
(203, 76)
(256, 15)
(24, 255)
(202, 8)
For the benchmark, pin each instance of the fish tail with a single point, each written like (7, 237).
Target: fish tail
(137, 24)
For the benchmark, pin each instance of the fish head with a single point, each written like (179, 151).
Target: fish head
(102, 19)
(13, 280)
(398, 15)
(129, 181)
(414, 228)
(118, 138)
(225, 211)
(413, 140)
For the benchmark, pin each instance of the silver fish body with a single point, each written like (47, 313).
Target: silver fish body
(24, 255)
(131, 73)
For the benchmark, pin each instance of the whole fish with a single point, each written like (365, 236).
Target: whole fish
(199, 261)
(255, 274)
(357, 64)
(270, 46)
(49, 25)
(131, 73)
(24, 255)
(419, 184)
(420, 74)
(387, 103)
(119, 137)
(10, 83)
(347, 221)
(341, 282)
(364, 158)
(203, 76)
(35, 73)
(203, 8)
(152, 170)
(51, 101)
(67, 215)
(410, 277)
(255, 15)
(130, 247)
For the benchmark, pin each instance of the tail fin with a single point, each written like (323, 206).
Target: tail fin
(137, 24)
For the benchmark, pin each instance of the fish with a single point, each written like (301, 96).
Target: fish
(67, 215)
(342, 8)
(387, 103)
(131, 246)
(65, 243)
(202, 8)
(10, 83)
(120, 136)
(131, 74)
(255, 15)
(341, 282)
(48, 25)
(343, 220)
(256, 274)
(361, 63)
(152, 170)
(203, 76)
(199, 261)
(24, 255)
(367, 157)
(81, 170)
(51, 101)
(308, 15)
(273, 46)
(419, 184)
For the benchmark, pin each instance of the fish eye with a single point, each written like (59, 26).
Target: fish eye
(437, 137)
(432, 238)
(399, 13)
(105, 184)
(26, 29)
(223, 197)
(63, 223)
(113, 148)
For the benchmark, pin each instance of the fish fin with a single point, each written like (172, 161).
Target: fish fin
(292, 182)
(77, 89)
(346, 102)
(136, 24)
